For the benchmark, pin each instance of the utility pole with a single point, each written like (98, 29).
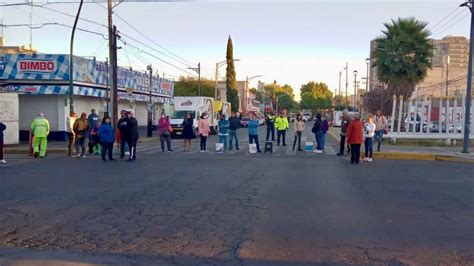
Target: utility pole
(71, 59)
(215, 89)
(199, 77)
(31, 24)
(367, 81)
(150, 104)
(339, 98)
(355, 88)
(198, 71)
(447, 100)
(467, 116)
(447, 72)
(113, 63)
(107, 94)
(347, 80)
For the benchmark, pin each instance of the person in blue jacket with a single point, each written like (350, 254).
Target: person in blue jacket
(107, 138)
(253, 130)
(223, 126)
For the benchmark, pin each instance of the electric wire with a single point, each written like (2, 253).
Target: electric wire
(157, 58)
(39, 26)
(176, 57)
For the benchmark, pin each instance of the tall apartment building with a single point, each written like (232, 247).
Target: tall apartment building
(456, 48)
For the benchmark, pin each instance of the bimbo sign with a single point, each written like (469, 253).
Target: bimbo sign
(36, 66)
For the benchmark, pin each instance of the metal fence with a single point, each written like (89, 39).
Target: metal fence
(428, 118)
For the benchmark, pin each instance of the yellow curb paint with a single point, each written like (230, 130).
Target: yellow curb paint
(405, 156)
(454, 159)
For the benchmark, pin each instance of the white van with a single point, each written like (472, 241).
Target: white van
(194, 106)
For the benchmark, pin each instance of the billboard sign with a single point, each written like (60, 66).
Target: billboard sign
(49, 67)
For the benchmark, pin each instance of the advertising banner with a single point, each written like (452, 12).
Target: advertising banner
(48, 67)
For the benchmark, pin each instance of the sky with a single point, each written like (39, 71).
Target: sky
(292, 42)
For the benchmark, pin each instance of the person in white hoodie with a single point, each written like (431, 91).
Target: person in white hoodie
(369, 132)
(70, 133)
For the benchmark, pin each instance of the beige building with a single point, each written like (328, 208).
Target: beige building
(245, 99)
(449, 63)
(14, 49)
(450, 60)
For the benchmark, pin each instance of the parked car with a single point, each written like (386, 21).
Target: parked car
(244, 122)
(292, 118)
(306, 117)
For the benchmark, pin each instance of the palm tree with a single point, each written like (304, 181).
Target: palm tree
(403, 55)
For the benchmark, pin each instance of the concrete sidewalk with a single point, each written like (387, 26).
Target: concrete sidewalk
(405, 152)
(56, 147)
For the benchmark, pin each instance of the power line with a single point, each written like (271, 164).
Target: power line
(53, 10)
(100, 48)
(126, 53)
(39, 26)
(443, 19)
(177, 58)
(157, 58)
(149, 47)
(45, 3)
(453, 24)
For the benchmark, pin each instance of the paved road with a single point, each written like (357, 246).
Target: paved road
(234, 209)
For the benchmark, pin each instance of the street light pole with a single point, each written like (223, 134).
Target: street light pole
(467, 116)
(347, 81)
(355, 88)
(71, 59)
(246, 91)
(219, 64)
(150, 111)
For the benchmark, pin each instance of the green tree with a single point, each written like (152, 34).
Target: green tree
(231, 81)
(189, 87)
(258, 94)
(315, 96)
(288, 90)
(285, 101)
(403, 55)
(340, 102)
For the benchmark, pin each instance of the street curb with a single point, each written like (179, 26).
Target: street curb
(25, 150)
(416, 156)
(454, 159)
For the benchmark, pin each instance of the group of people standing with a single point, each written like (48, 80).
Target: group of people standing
(355, 133)
(227, 130)
(102, 135)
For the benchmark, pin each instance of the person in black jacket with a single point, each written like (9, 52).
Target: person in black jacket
(122, 127)
(270, 121)
(132, 135)
(318, 132)
(2, 128)
(344, 124)
(234, 125)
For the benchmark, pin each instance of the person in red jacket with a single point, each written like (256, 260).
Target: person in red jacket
(355, 137)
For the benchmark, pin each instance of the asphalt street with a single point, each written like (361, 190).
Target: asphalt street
(284, 208)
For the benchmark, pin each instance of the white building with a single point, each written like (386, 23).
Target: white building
(42, 84)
